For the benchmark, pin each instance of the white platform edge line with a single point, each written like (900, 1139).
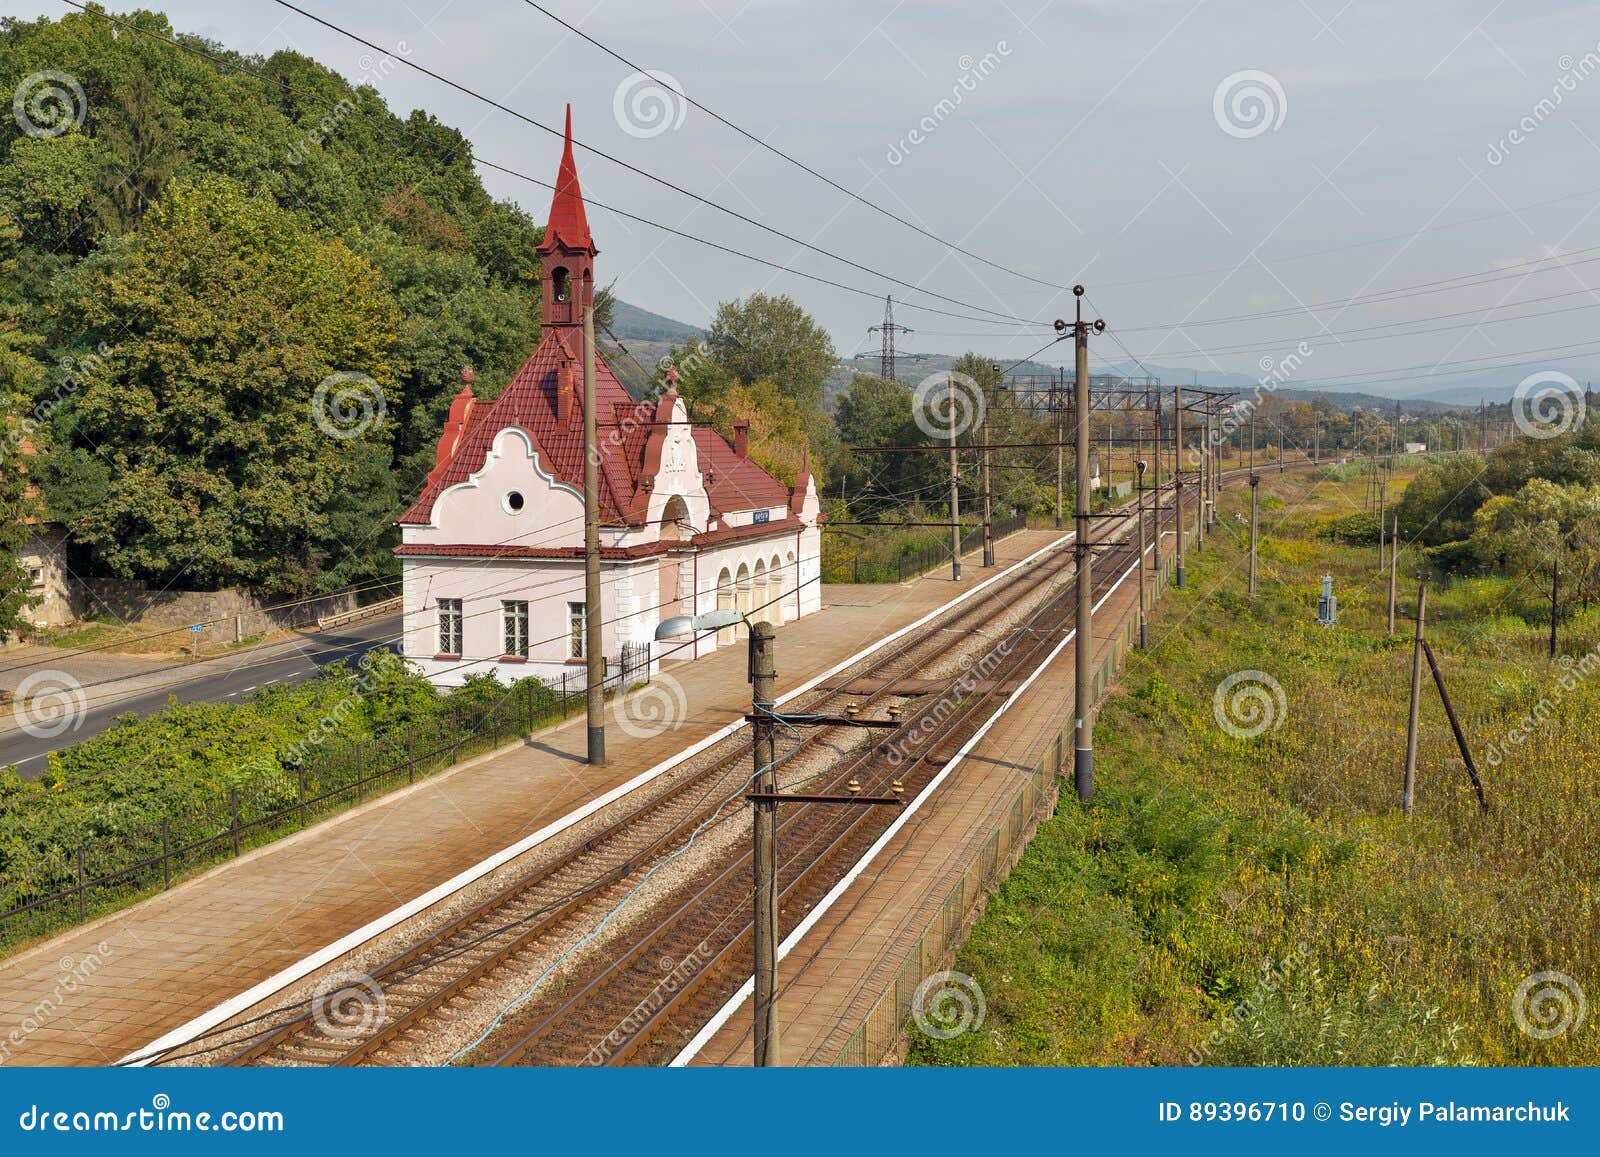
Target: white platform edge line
(725, 1013)
(302, 968)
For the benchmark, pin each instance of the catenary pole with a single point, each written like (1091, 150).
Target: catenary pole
(593, 618)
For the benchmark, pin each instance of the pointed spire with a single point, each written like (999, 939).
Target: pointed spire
(568, 222)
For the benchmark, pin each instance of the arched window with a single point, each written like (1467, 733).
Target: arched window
(561, 281)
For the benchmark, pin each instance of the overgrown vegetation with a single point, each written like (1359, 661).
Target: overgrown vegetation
(1260, 900)
(194, 772)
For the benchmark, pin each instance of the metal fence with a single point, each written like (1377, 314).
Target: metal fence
(73, 884)
(925, 560)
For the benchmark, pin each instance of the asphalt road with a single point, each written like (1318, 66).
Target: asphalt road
(212, 680)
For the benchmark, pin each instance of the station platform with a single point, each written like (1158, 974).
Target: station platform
(105, 990)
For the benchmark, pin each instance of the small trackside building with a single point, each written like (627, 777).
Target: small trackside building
(491, 551)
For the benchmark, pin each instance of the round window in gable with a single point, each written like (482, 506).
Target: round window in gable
(514, 502)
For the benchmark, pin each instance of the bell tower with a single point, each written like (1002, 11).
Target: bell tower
(567, 252)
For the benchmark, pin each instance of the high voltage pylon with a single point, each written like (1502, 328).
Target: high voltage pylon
(888, 329)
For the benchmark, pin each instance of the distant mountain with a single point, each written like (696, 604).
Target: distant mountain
(629, 321)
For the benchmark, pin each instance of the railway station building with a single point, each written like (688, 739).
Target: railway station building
(492, 549)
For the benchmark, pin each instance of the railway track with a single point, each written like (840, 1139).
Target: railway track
(419, 983)
(624, 1010)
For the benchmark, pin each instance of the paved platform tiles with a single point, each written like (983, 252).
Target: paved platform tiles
(833, 977)
(165, 961)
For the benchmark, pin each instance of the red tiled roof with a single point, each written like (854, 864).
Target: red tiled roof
(532, 402)
(544, 399)
(568, 222)
(735, 483)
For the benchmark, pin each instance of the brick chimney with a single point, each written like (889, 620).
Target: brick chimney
(565, 389)
(741, 438)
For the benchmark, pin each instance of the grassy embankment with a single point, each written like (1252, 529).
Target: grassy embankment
(1261, 900)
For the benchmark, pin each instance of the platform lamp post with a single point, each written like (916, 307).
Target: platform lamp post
(763, 721)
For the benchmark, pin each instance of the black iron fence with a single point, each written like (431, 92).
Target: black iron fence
(925, 560)
(60, 881)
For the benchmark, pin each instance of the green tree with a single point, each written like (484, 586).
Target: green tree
(1548, 532)
(762, 336)
(215, 407)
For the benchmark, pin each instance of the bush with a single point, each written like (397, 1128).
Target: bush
(1357, 529)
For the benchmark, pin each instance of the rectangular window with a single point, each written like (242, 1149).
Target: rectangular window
(578, 629)
(449, 626)
(36, 577)
(515, 617)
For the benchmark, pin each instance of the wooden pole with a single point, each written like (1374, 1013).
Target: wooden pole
(1408, 792)
(1394, 565)
(763, 678)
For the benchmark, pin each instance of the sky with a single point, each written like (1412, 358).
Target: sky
(1186, 161)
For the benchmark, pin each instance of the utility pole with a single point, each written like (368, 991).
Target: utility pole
(763, 679)
(987, 493)
(955, 481)
(1555, 598)
(1200, 484)
(1083, 723)
(1255, 481)
(1177, 469)
(1139, 468)
(593, 647)
(1061, 439)
(1157, 495)
(1394, 566)
(1409, 789)
(1383, 509)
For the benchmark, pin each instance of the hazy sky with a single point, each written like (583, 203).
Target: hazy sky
(1077, 141)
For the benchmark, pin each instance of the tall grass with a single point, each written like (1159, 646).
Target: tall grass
(1261, 900)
